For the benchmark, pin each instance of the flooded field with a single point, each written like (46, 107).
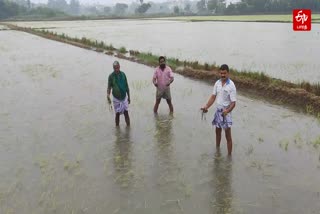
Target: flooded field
(61, 153)
(273, 48)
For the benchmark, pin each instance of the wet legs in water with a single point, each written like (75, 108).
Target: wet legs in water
(228, 138)
(126, 117)
(156, 105)
(170, 105)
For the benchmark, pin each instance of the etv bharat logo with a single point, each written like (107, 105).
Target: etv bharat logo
(301, 20)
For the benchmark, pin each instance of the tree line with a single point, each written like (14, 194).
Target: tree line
(24, 8)
(255, 6)
(16, 8)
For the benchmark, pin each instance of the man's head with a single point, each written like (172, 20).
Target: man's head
(224, 72)
(162, 62)
(116, 66)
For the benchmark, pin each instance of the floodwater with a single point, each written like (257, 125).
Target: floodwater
(61, 153)
(273, 48)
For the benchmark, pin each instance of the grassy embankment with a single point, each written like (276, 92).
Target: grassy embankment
(242, 18)
(303, 96)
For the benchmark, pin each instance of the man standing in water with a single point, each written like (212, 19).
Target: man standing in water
(117, 82)
(162, 79)
(224, 91)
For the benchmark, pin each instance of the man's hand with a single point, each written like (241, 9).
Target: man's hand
(129, 101)
(109, 99)
(204, 109)
(225, 112)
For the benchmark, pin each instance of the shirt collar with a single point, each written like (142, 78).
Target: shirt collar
(227, 82)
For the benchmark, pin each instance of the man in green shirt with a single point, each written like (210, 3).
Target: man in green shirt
(118, 84)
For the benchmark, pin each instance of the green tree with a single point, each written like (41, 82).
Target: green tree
(202, 6)
(212, 5)
(143, 8)
(120, 8)
(176, 10)
(10, 9)
(187, 8)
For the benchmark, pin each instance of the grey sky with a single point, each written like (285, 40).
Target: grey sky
(100, 1)
(113, 2)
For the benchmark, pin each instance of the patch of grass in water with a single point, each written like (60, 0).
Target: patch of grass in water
(256, 164)
(149, 57)
(110, 47)
(123, 50)
(140, 84)
(316, 142)
(252, 75)
(260, 140)
(284, 144)
(70, 166)
(297, 138)
(249, 150)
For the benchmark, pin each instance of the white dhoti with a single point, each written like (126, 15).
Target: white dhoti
(120, 105)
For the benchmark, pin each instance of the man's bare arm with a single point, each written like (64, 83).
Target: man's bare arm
(210, 102)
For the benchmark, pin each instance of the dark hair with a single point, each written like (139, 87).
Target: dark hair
(224, 67)
(162, 57)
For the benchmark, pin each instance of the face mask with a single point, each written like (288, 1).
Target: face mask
(162, 66)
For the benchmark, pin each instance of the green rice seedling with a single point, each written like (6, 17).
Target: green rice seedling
(101, 45)
(260, 139)
(297, 138)
(309, 109)
(316, 142)
(249, 150)
(110, 47)
(284, 144)
(123, 50)
(148, 57)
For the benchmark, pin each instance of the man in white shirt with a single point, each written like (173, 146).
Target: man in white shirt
(225, 92)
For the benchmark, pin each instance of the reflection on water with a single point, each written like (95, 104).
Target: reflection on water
(164, 148)
(166, 171)
(222, 181)
(163, 125)
(122, 158)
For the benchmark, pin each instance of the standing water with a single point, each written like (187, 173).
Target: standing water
(61, 153)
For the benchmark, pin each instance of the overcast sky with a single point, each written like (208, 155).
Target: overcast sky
(101, 1)
(113, 2)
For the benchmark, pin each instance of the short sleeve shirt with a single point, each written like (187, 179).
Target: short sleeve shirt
(225, 94)
(163, 77)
